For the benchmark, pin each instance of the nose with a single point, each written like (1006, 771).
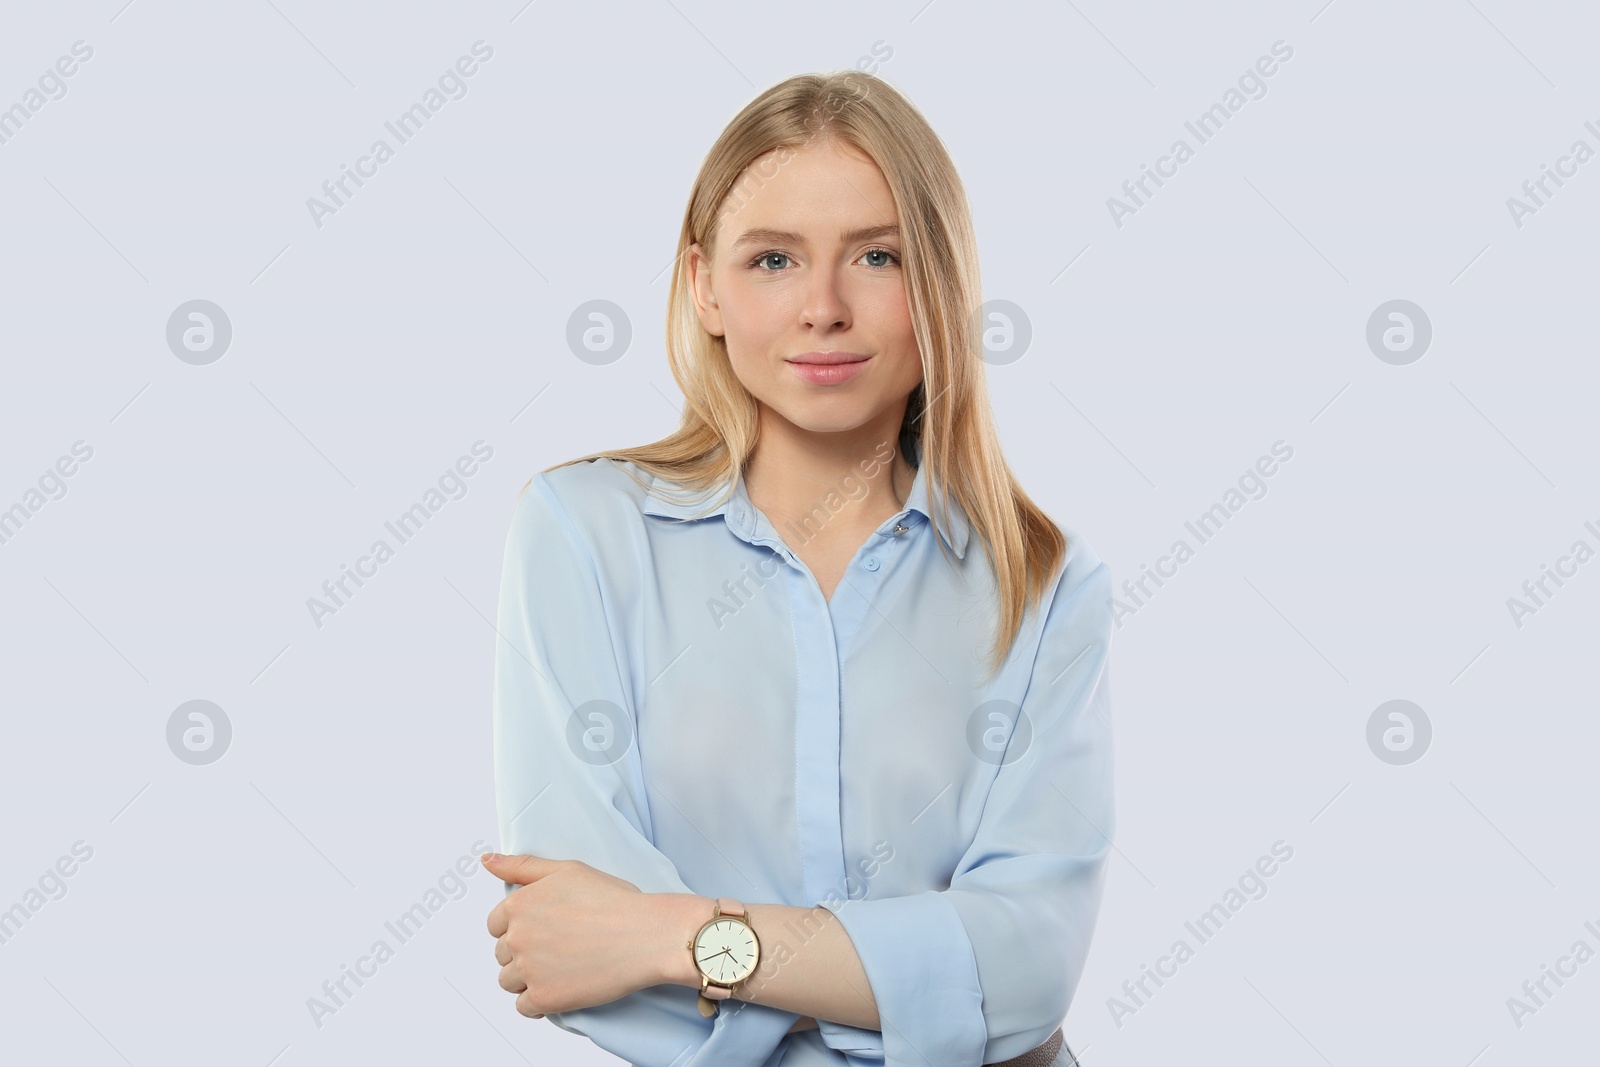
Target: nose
(825, 304)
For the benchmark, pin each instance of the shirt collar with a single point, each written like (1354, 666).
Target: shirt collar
(676, 502)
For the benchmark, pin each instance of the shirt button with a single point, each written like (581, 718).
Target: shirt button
(899, 528)
(871, 563)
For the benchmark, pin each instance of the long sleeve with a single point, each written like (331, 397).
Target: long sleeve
(986, 969)
(568, 782)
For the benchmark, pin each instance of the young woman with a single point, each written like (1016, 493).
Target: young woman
(802, 719)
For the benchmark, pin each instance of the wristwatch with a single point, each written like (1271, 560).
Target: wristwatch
(725, 950)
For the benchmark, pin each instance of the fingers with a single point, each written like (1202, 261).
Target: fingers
(525, 1007)
(511, 981)
(499, 923)
(522, 869)
(506, 868)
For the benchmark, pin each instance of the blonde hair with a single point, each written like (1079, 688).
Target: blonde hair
(953, 433)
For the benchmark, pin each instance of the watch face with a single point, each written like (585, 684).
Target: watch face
(726, 951)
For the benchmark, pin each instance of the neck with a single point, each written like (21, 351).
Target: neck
(799, 475)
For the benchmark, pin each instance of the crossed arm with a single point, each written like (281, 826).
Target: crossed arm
(556, 957)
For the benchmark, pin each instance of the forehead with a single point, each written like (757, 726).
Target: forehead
(818, 191)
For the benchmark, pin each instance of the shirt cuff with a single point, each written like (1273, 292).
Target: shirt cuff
(924, 976)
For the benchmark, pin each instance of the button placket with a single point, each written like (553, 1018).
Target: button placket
(888, 543)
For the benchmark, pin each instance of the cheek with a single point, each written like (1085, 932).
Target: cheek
(900, 338)
(753, 314)
(746, 342)
(746, 367)
(891, 312)
(907, 371)
(748, 334)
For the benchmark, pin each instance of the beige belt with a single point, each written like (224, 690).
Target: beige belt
(1043, 1056)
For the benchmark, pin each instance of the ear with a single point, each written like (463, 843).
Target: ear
(705, 300)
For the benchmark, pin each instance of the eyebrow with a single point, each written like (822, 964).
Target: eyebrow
(763, 235)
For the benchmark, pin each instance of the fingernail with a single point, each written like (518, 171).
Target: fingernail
(487, 856)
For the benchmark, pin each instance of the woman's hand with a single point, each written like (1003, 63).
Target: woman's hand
(572, 937)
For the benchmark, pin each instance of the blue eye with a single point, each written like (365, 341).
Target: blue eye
(758, 262)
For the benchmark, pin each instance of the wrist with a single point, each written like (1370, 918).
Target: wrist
(678, 916)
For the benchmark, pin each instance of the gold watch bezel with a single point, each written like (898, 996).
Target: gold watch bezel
(706, 979)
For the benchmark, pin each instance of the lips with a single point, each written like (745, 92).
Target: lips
(828, 359)
(829, 368)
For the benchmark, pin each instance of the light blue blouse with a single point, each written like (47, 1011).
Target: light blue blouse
(676, 703)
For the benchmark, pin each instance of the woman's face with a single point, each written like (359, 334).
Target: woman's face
(807, 260)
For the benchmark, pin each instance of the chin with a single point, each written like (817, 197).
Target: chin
(827, 418)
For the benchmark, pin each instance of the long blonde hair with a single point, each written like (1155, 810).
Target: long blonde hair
(954, 432)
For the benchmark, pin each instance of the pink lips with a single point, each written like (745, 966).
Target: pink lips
(828, 368)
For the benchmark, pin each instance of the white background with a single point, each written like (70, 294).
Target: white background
(1167, 354)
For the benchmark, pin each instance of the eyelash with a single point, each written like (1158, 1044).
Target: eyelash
(754, 263)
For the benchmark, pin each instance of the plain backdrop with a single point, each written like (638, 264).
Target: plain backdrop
(1169, 348)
